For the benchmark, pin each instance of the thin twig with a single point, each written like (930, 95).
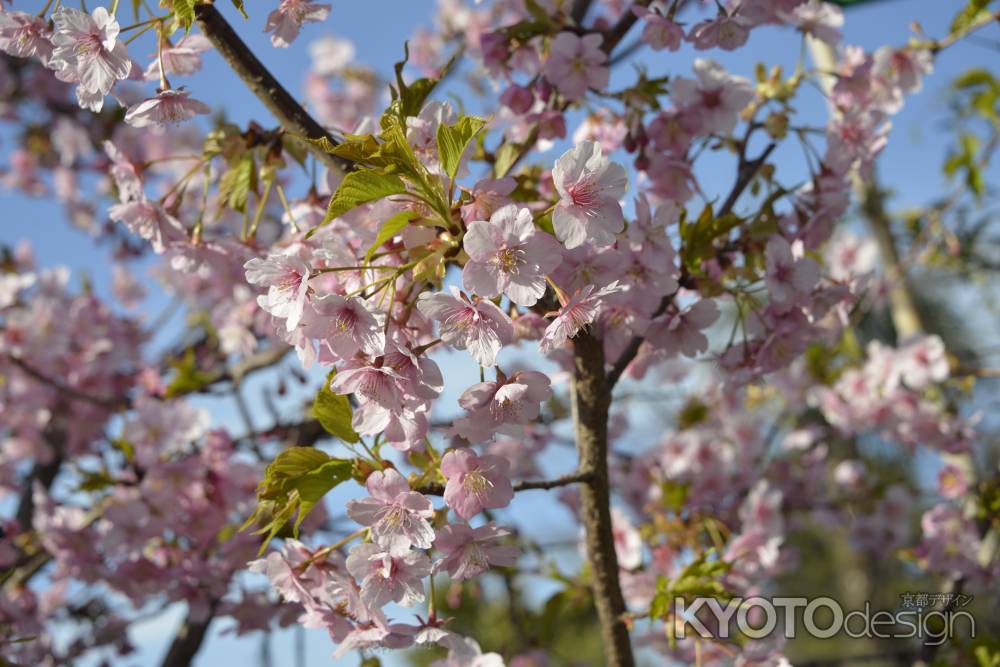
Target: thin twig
(527, 485)
(269, 91)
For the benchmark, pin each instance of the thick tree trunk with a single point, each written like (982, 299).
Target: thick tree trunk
(591, 400)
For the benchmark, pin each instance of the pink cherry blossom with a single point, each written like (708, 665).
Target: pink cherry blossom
(576, 64)
(386, 577)
(589, 187)
(465, 652)
(24, 35)
(581, 309)
(330, 55)
(87, 51)
(468, 552)
(475, 483)
(397, 516)
(286, 21)
(513, 401)
(168, 107)
(726, 31)
(681, 333)
(488, 195)
(922, 362)
(715, 98)
(286, 277)
(508, 255)
(149, 220)
(473, 324)
(659, 32)
(816, 18)
(790, 276)
(377, 389)
(344, 325)
(183, 58)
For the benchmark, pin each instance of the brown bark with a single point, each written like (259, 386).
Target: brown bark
(591, 400)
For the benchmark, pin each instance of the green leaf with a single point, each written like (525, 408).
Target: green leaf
(361, 187)
(972, 78)
(294, 482)
(506, 156)
(389, 229)
(698, 237)
(184, 13)
(333, 411)
(969, 14)
(411, 97)
(452, 141)
(238, 4)
(236, 184)
(96, 481)
(189, 378)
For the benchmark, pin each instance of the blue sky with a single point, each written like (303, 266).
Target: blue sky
(910, 168)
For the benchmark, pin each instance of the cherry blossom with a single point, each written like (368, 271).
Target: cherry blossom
(581, 309)
(344, 325)
(576, 64)
(790, 276)
(819, 19)
(25, 36)
(475, 482)
(589, 187)
(286, 277)
(468, 552)
(285, 22)
(397, 516)
(169, 106)
(715, 98)
(86, 50)
(473, 324)
(508, 255)
(388, 578)
(659, 32)
(492, 406)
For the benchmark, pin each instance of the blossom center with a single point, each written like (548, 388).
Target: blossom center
(509, 260)
(584, 194)
(476, 484)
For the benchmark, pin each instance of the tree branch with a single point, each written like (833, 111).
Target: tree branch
(591, 398)
(188, 640)
(290, 114)
(65, 390)
(527, 485)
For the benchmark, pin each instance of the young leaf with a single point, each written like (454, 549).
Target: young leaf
(295, 481)
(972, 12)
(236, 184)
(388, 230)
(183, 13)
(361, 187)
(238, 4)
(452, 141)
(333, 411)
(506, 156)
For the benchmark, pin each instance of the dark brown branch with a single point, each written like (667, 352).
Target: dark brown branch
(188, 640)
(251, 70)
(579, 11)
(528, 485)
(591, 397)
(618, 31)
